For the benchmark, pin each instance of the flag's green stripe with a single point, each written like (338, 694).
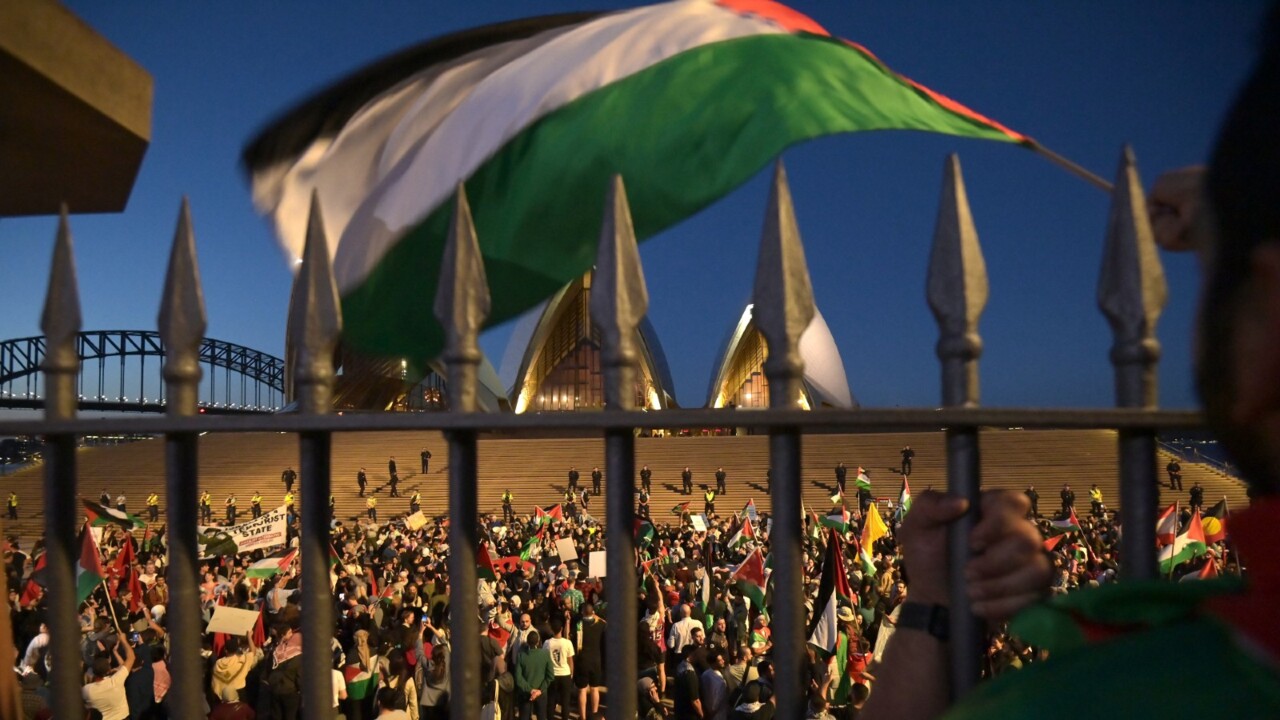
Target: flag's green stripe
(683, 133)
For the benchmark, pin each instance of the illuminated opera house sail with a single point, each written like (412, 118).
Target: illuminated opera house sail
(559, 358)
(739, 380)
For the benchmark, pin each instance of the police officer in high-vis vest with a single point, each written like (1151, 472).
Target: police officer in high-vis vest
(153, 506)
(709, 504)
(508, 513)
(255, 504)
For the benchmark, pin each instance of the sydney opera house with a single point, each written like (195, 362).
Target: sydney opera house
(552, 364)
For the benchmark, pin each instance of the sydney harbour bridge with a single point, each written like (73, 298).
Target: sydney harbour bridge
(121, 370)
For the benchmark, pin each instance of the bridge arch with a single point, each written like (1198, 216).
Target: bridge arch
(236, 378)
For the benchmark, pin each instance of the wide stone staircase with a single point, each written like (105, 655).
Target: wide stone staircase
(535, 470)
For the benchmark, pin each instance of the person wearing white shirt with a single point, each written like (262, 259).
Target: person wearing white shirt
(105, 693)
(714, 689)
(561, 650)
(682, 631)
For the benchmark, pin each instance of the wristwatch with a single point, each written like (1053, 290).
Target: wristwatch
(932, 619)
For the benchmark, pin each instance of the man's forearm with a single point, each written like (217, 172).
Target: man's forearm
(913, 680)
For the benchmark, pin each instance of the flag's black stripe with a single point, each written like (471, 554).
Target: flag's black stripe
(326, 112)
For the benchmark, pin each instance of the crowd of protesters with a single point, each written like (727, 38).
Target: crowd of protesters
(704, 645)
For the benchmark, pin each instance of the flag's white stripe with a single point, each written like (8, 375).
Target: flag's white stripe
(824, 632)
(507, 101)
(345, 167)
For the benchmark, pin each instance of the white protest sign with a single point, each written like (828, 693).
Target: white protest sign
(699, 522)
(596, 566)
(232, 621)
(415, 521)
(566, 550)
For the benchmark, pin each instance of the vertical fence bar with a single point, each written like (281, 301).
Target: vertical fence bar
(60, 324)
(1131, 294)
(619, 300)
(182, 325)
(957, 294)
(315, 318)
(461, 305)
(783, 308)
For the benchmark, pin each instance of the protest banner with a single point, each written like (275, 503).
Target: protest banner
(566, 550)
(267, 531)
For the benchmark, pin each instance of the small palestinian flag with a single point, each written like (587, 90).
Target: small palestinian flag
(681, 510)
(749, 511)
(35, 584)
(1208, 571)
(484, 565)
(644, 532)
(549, 515)
(98, 515)
(271, 565)
(838, 520)
(1215, 522)
(335, 559)
(1186, 546)
(745, 534)
(862, 482)
(1070, 524)
(89, 572)
(749, 577)
(1167, 526)
(359, 682)
(904, 499)
(1052, 543)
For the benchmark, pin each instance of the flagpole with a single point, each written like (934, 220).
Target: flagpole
(1177, 514)
(1073, 168)
(110, 605)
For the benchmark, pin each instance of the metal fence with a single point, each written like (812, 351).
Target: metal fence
(1131, 294)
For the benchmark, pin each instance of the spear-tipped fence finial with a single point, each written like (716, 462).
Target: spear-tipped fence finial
(60, 323)
(957, 290)
(182, 320)
(1131, 289)
(619, 298)
(315, 319)
(462, 304)
(783, 295)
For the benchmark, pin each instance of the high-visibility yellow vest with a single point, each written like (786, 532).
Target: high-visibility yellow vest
(288, 499)
(153, 499)
(205, 499)
(256, 500)
(13, 500)
(711, 496)
(372, 502)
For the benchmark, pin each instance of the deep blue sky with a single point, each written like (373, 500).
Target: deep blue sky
(1081, 77)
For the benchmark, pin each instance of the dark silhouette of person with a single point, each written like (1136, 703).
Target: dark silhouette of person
(1174, 468)
(1034, 497)
(907, 455)
(686, 478)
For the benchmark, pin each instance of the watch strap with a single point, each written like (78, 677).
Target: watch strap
(932, 619)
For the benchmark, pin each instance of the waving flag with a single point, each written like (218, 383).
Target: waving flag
(127, 574)
(552, 514)
(1167, 526)
(749, 511)
(99, 515)
(686, 99)
(745, 534)
(838, 520)
(89, 572)
(862, 482)
(833, 589)
(1186, 546)
(750, 579)
(904, 500)
(1215, 522)
(1069, 524)
(484, 564)
(681, 510)
(271, 565)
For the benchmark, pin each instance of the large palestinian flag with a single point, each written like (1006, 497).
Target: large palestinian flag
(833, 589)
(751, 580)
(686, 100)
